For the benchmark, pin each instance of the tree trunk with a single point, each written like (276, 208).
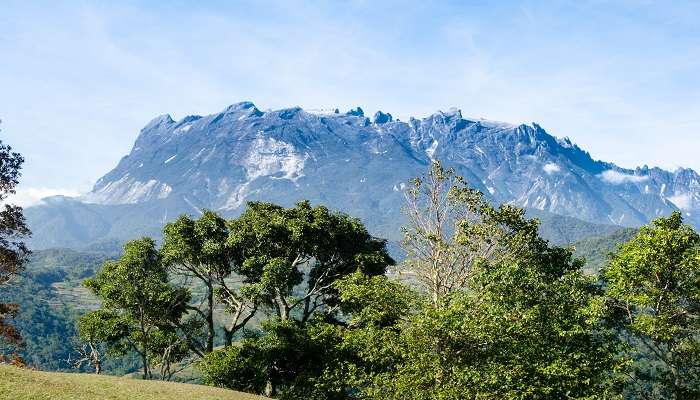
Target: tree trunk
(144, 349)
(144, 360)
(284, 312)
(228, 337)
(269, 389)
(95, 355)
(307, 306)
(210, 316)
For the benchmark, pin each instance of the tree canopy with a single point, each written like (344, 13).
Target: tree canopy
(139, 305)
(290, 258)
(654, 282)
(13, 230)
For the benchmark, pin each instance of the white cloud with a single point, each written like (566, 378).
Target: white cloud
(617, 177)
(682, 200)
(30, 196)
(311, 55)
(551, 168)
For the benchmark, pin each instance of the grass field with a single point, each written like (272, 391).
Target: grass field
(24, 384)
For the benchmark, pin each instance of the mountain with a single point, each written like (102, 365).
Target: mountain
(356, 164)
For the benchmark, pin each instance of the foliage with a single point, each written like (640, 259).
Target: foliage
(323, 358)
(198, 249)
(531, 327)
(13, 229)
(290, 258)
(453, 230)
(101, 327)
(139, 304)
(654, 281)
(291, 262)
(287, 362)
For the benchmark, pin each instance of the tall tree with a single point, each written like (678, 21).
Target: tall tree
(198, 250)
(654, 280)
(452, 229)
(290, 261)
(531, 326)
(506, 315)
(139, 305)
(13, 230)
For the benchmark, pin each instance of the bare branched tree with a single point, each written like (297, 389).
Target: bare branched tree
(88, 354)
(452, 230)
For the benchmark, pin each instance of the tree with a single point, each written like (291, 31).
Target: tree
(96, 329)
(290, 258)
(654, 281)
(13, 229)
(198, 249)
(527, 327)
(138, 303)
(289, 261)
(505, 314)
(452, 229)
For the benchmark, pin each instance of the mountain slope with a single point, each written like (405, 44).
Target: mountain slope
(352, 163)
(596, 250)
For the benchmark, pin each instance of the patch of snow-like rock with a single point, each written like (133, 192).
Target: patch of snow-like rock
(274, 158)
(129, 191)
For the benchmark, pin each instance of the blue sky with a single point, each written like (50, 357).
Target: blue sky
(79, 79)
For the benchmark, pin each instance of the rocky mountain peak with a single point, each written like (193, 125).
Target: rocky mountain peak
(222, 160)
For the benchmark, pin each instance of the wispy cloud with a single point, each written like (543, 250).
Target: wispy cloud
(30, 196)
(85, 77)
(618, 178)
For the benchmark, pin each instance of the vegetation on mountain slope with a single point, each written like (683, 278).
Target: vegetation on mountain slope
(597, 249)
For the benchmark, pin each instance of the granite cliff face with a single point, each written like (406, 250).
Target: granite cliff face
(353, 163)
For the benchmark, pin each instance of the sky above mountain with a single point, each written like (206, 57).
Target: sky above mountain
(79, 79)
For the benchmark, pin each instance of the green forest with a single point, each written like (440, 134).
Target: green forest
(304, 303)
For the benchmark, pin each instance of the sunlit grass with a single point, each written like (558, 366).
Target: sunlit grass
(21, 384)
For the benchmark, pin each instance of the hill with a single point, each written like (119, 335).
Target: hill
(25, 384)
(352, 163)
(597, 249)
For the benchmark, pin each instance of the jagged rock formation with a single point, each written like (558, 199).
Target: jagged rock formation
(352, 163)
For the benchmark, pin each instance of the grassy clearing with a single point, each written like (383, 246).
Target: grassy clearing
(21, 384)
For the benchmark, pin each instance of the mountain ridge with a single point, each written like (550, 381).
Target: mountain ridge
(360, 165)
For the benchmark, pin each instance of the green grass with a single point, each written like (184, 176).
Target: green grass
(21, 384)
